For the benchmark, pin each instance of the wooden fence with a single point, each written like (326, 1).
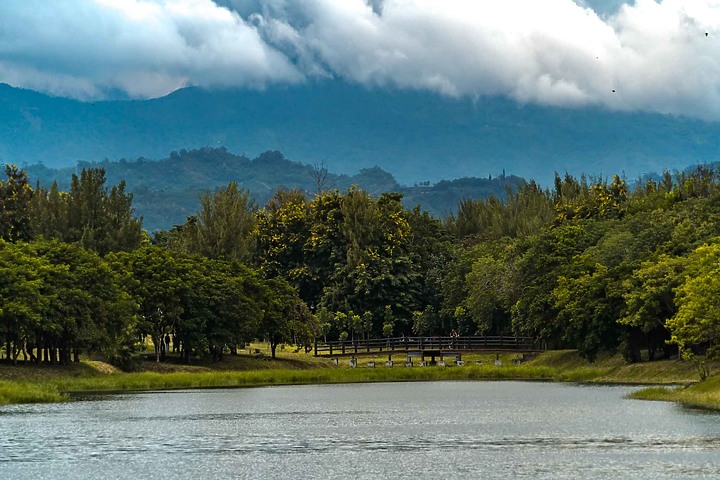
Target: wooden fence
(371, 346)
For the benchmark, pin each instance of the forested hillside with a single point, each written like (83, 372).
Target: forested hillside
(166, 192)
(418, 136)
(590, 265)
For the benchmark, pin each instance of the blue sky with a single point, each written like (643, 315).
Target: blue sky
(658, 56)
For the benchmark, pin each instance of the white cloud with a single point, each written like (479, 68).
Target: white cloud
(648, 56)
(651, 56)
(83, 48)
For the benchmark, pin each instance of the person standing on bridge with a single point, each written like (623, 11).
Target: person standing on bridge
(453, 338)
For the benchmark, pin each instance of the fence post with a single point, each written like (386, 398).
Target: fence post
(315, 342)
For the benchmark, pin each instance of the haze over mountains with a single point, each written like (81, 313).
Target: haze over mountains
(415, 135)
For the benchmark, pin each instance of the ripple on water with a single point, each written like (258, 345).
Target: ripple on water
(429, 430)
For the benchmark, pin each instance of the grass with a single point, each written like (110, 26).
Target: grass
(182, 380)
(613, 369)
(705, 394)
(23, 392)
(31, 383)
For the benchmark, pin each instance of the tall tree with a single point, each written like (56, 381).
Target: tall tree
(283, 231)
(156, 281)
(99, 219)
(649, 295)
(87, 308)
(695, 325)
(22, 303)
(15, 199)
(223, 228)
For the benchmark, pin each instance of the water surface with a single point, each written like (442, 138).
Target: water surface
(409, 430)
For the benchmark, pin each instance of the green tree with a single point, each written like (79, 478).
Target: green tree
(488, 300)
(649, 296)
(587, 309)
(15, 200)
(87, 308)
(22, 303)
(223, 228)
(284, 314)
(98, 218)
(220, 307)
(156, 281)
(695, 325)
(542, 259)
(283, 231)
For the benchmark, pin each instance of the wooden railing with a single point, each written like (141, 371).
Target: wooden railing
(421, 344)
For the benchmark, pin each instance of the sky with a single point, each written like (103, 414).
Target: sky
(646, 55)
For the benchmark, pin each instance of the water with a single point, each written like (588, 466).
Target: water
(440, 430)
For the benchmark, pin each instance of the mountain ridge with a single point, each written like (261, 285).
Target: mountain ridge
(419, 136)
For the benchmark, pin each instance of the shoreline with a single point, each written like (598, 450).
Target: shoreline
(666, 380)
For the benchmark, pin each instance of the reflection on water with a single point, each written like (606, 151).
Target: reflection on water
(420, 430)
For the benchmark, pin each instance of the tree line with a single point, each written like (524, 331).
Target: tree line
(78, 274)
(590, 264)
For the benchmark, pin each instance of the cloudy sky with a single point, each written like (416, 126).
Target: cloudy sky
(659, 56)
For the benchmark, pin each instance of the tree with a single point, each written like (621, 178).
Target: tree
(99, 219)
(155, 279)
(318, 172)
(588, 309)
(695, 325)
(649, 296)
(15, 199)
(283, 231)
(50, 215)
(220, 308)
(223, 227)
(368, 244)
(88, 311)
(541, 260)
(284, 313)
(487, 301)
(22, 303)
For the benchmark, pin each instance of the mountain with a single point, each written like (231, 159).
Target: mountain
(419, 136)
(166, 192)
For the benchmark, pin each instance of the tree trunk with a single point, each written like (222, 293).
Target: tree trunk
(157, 341)
(15, 353)
(186, 351)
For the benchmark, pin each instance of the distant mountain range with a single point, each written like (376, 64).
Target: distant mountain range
(417, 136)
(166, 192)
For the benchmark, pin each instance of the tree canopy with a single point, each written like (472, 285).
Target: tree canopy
(592, 264)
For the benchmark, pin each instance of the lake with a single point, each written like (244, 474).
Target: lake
(438, 430)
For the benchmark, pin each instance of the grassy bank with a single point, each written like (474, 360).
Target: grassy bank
(613, 369)
(705, 394)
(56, 389)
(23, 384)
